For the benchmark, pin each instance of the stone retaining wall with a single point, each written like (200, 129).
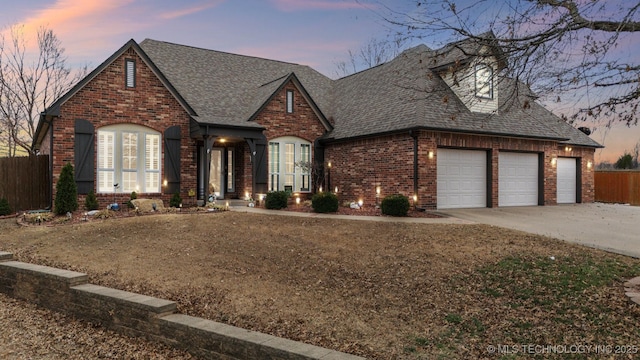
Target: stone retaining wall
(138, 315)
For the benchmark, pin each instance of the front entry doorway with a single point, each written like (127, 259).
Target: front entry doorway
(221, 176)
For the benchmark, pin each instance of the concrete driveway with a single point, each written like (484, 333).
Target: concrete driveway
(610, 227)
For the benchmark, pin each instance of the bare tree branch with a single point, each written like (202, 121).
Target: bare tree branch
(562, 49)
(29, 83)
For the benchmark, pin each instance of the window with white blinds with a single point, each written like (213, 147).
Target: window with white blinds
(295, 156)
(106, 167)
(129, 155)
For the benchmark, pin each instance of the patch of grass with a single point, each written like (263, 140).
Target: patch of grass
(453, 318)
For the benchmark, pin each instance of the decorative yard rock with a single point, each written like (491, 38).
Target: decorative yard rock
(148, 205)
(632, 289)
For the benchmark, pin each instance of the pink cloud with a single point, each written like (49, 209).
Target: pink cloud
(299, 5)
(191, 10)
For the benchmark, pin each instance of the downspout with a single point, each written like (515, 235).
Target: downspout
(50, 122)
(414, 135)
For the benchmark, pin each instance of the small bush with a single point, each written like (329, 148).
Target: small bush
(5, 209)
(276, 200)
(134, 195)
(175, 201)
(91, 202)
(324, 202)
(395, 205)
(66, 192)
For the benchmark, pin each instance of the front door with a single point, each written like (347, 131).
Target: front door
(216, 173)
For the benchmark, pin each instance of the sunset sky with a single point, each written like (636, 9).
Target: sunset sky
(318, 33)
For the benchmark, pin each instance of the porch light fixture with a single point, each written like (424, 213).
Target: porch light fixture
(567, 149)
(430, 154)
(165, 183)
(377, 190)
(223, 140)
(554, 160)
(589, 164)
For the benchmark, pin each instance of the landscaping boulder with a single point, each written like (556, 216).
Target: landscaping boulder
(147, 205)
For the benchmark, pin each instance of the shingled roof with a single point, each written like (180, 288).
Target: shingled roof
(407, 93)
(228, 89)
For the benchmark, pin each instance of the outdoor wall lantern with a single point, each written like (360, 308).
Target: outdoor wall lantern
(554, 160)
(430, 154)
(589, 164)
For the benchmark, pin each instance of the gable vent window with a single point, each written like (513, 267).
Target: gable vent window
(289, 101)
(484, 81)
(130, 73)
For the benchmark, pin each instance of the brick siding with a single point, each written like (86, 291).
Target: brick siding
(106, 101)
(360, 166)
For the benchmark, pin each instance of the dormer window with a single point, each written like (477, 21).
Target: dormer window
(484, 81)
(130, 73)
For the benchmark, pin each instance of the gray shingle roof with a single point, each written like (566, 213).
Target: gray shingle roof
(404, 93)
(227, 89)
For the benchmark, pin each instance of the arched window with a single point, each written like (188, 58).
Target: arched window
(129, 156)
(484, 81)
(290, 164)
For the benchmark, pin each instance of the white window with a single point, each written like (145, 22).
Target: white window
(106, 166)
(484, 81)
(289, 101)
(130, 73)
(295, 154)
(129, 156)
(274, 166)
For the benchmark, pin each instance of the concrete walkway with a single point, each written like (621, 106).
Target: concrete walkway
(442, 220)
(611, 227)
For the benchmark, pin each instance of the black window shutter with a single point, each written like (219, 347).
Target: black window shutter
(261, 174)
(84, 155)
(172, 138)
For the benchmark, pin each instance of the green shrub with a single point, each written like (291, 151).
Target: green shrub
(66, 192)
(324, 202)
(5, 209)
(134, 195)
(276, 200)
(176, 200)
(91, 202)
(395, 205)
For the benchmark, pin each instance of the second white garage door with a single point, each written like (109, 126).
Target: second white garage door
(567, 175)
(462, 178)
(518, 179)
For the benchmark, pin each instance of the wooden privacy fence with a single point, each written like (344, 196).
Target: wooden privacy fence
(621, 186)
(24, 181)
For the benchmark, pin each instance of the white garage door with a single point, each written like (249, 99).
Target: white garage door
(517, 179)
(566, 180)
(462, 178)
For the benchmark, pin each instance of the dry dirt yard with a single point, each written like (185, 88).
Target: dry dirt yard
(382, 290)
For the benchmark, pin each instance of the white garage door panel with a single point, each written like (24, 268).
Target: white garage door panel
(518, 179)
(567, 176)
(462, 179)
